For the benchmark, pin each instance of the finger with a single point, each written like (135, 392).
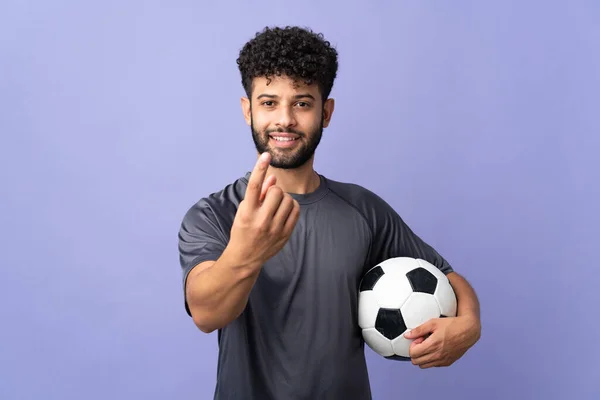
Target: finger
(270, 181)
(424, 359)
(285, 207)
(272, 201)
(421, 330)
(420, 349)
(418, 340)
(256, 179)
(428, 365)
(290, 223)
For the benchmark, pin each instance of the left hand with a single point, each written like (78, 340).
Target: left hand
(449, 338)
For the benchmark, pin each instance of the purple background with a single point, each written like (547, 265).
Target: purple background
(477, 121)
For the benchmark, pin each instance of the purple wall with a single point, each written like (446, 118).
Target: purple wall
(479, 122)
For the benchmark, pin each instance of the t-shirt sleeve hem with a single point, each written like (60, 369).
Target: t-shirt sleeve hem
(213, 256)
(446, 268)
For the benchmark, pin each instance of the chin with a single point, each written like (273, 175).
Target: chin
(284, 162)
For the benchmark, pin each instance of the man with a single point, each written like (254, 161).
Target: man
(273, 261)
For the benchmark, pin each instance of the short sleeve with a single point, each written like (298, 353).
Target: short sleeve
(392, 237)
(200, 239)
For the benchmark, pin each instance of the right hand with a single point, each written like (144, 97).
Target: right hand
(265, 218)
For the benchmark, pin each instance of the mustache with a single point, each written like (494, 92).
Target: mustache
(282, 130)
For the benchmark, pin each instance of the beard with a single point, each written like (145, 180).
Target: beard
(288, 158)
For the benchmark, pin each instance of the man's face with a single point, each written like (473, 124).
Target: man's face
(286, 119)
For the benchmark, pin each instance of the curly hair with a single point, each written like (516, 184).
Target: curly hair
(296, 52)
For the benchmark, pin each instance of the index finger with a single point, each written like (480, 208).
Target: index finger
(256, 179)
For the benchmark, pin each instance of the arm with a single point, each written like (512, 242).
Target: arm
(217, 291)
(218, 277)
(442, 341)
(467, 301)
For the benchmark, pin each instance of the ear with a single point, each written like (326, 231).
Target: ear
(246, 109)
(328, 111)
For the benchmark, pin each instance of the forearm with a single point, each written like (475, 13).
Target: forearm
(219, 293)
(467, 301)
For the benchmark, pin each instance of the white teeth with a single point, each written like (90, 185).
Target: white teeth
(283, 139)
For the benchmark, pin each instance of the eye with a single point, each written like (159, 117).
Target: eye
(267, 103)
(303, 104)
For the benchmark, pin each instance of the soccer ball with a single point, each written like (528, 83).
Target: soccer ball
(398, 295)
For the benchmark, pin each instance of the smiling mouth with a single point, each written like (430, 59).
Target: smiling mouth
(283, 136)
(283, 139)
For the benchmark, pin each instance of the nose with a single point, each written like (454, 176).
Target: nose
(285, 118)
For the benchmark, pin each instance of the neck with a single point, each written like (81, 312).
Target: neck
(300, 180)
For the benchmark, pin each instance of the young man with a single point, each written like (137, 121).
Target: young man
(273, 261)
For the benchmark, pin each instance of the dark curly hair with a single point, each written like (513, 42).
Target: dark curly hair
(296, 52)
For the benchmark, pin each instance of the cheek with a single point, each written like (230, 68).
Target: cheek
(258, 123)
(311, 121)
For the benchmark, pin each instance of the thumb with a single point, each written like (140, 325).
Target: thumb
(418, 340)
(270, 181)
(421, 330)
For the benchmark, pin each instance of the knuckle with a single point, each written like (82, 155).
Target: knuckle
(274, 193)
(274, 227)
(275, 190)
(290, 202)
(243, 216)
(295, 214)
(262, 227)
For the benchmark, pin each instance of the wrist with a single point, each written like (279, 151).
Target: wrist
(238, 263)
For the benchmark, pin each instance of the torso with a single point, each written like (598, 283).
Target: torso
(298, 337)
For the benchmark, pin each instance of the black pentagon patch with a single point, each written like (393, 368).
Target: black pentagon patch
(390, 323)
(422, 281)
(370, 279)
(398, 358)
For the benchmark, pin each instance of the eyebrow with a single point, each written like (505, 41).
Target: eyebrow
(298, 96)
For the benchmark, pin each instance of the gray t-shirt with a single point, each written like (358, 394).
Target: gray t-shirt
(298, 337)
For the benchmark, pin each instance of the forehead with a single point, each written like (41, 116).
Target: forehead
(282, 86)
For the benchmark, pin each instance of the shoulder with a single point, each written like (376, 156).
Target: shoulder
(360, 197)
(218, 206)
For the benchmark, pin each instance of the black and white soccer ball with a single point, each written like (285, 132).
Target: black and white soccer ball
(398, 295)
